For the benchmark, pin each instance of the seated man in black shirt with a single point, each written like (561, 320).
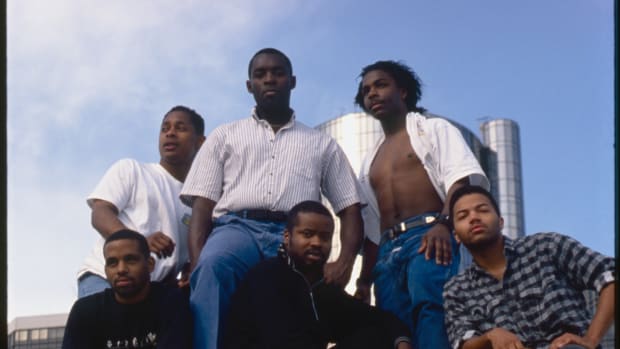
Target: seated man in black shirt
(135, 312)
(284, 303)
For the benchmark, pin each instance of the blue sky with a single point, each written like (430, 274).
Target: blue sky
(89, 81)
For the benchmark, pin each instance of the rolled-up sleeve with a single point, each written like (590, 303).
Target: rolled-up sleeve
(205, 177)
(339, 183)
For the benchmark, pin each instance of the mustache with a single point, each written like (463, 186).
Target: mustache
(314, 251)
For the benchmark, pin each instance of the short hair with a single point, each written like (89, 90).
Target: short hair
(292, 218)
(471, 189)
(270, 51)
(195, 118)
(126, 234)
(404, 77)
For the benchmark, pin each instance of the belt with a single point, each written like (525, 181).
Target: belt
(417, 221)
(262, 215)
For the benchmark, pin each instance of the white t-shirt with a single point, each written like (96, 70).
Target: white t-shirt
(147, 199)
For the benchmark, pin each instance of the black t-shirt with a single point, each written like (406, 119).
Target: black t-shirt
(162, 320)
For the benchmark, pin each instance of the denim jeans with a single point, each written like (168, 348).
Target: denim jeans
(411, 287)
(90, 283)
(234, 246)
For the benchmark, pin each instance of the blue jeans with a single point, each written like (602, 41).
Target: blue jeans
(234, 246)
(411, 287)
(90, 283)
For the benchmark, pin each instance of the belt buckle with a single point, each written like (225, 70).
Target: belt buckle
(429, 219)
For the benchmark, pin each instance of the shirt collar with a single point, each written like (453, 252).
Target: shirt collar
(509, 252)
(289, 124)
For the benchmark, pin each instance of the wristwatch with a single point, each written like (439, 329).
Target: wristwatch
(445, 220)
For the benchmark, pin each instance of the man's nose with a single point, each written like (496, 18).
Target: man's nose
(171, 132)
(270, 77)
(315, 241)
(474, 217)
(122, 268)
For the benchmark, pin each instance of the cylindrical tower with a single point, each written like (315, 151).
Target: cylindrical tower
(501, 136)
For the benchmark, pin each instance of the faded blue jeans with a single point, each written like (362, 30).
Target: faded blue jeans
(234, 246)
(411, 287)
(90, 283)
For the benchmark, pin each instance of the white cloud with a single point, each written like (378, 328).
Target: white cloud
(85, 77)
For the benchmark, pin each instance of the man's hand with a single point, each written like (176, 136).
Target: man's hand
(161, 244)
(363, 292)
(183, 278)
(338, 272)
(503, 339)
(404, 345)
(437, 242)
(569, 338)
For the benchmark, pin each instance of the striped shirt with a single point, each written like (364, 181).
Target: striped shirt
(539, 298)
(245, 165)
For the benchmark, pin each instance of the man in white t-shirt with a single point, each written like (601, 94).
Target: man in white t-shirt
(145, 197)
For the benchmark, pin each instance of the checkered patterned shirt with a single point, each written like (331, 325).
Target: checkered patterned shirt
(539, 298)
(245, 165)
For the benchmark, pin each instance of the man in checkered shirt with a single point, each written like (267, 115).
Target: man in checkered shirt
(523, 293)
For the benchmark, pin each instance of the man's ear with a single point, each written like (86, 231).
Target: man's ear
(501, 223)
(201, 139)
(287, 238)
(151, 264)
(403, 94)
(248, 85)
(293, 81)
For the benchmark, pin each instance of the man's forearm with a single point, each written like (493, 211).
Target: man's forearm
(200, 226)
(104, 218)
(604, 315)
(369, 260)
(460, 183)
(351, 233)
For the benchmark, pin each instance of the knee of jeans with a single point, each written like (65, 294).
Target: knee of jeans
(215, 262)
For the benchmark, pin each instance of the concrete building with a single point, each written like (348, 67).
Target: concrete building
(37, 332)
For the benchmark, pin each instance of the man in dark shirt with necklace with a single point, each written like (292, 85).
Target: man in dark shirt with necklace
(284, 302)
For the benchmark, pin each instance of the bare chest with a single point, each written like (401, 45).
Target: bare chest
(394, 159)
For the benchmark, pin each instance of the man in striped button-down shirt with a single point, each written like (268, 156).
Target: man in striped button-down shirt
(523, 293)
(248, 174)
